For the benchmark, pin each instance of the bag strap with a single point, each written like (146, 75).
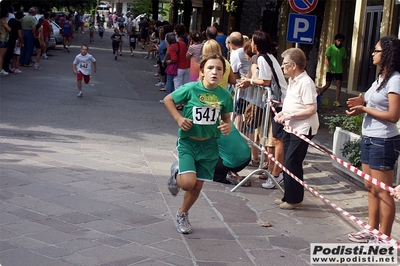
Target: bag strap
(271, 65)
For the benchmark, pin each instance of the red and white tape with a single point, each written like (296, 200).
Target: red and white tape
(348, 166)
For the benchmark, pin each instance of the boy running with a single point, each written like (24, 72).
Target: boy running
(101, 32)
(91, 31)
(206, 113)
(82, 67)
(132, 39)
(116, 40)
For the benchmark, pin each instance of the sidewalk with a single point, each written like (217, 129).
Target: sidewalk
(88, 204)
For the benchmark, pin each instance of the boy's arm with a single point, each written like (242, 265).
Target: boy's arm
(184, 123)
(328, 65)
(94, 67)
(74, 69)
(226, 124)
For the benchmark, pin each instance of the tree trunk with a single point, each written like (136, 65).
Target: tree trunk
(187, 13)
(206, 14)
(154, 5)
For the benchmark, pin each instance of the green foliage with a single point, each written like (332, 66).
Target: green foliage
(141, 6)
(352, 151)
(349, 123)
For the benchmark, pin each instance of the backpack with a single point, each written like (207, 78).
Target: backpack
(276, 92)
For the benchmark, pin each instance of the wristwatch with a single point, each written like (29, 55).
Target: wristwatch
(293, 115)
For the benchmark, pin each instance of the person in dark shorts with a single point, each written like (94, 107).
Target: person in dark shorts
(334, 58)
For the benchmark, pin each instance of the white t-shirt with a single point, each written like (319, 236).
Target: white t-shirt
(84, 63)
(265, 72)
(239, 62)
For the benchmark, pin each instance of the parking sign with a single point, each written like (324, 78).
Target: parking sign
(301, 28)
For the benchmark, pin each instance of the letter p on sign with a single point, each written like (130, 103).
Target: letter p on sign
(301, 28)
(300, 25)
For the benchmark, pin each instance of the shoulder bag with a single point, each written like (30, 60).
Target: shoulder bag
(172, 68)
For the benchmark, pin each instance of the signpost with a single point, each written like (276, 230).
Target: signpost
(301, 28)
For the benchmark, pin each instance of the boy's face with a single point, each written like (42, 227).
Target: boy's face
(212, 73)
(339, 42)
(84, 50)
(116, 31)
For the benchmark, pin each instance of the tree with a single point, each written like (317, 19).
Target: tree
(141, 7)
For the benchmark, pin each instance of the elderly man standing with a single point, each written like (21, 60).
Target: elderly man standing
(240, 66)
(28, 28)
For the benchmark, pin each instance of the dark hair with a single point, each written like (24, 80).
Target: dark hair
(4, 12)
(263, 42)
(46, 15)
(390, 57)
(167, 29)
(180, 29)
(219, 28)
(339, 36)
(247, 49)
(207, 57)
(19, 14)
(195, 35)
(39, 24)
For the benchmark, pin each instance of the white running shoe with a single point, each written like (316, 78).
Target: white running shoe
(3, 72)
(160, 84)
(269, 184)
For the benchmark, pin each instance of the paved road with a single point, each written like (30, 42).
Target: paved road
(83, 180)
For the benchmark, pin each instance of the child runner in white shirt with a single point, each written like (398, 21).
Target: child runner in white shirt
(82, 67)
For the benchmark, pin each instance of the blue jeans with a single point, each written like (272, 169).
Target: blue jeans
(380, 153)
(27, 49)
(170, 84)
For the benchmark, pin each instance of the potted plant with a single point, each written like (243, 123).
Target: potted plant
(346, 140)
(346, 143)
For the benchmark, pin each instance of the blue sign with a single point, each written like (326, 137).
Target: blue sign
(301, 28)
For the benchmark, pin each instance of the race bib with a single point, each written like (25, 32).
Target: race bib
(133, 39)
(83, 65)
(205, 115)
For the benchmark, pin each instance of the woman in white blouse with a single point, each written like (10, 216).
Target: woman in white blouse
(299, 112)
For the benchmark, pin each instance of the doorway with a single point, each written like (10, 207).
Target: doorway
(372, 25)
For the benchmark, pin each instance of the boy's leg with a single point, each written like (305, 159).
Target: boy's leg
(79, 85)
(191, 195)
(338, 89)
(328, 81)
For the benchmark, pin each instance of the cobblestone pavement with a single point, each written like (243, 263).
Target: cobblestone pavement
(88, 204)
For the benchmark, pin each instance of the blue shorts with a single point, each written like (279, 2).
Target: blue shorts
(3, 45)
(380, 153)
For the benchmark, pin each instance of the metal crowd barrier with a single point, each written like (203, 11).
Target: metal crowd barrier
(255, 132)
